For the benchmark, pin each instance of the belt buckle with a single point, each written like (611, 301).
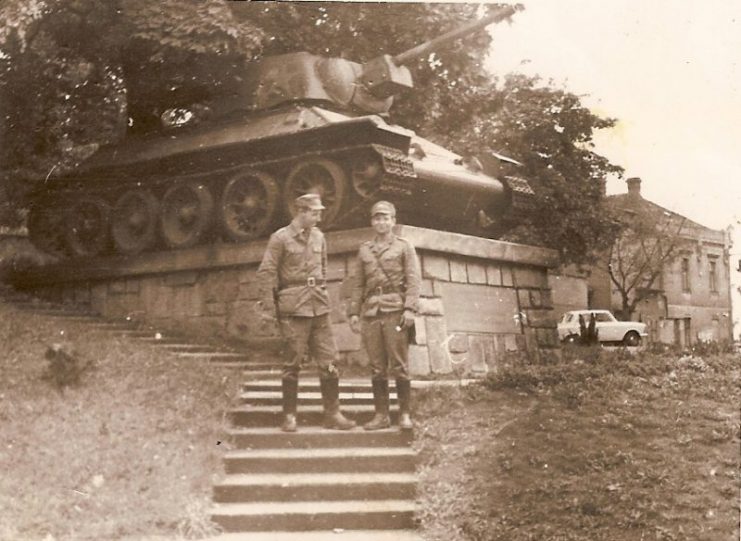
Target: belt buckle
(311, 281)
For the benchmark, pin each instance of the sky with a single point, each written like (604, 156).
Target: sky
(668, 70)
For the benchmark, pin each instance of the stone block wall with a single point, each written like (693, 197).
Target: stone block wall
(480, 298)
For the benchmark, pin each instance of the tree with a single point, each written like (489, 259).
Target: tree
(75, 74)
(650, 241)
(550, 133)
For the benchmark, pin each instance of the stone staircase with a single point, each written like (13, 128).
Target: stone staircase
(304, 486)
(178, 346)
(314, 483)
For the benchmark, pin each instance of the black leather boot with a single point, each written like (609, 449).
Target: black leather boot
(333, 418)
(404, 391)
(290, 399)
(381, 403)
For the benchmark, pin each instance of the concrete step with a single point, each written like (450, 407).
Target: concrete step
(307, 415)
(114, 326)
(309, 381)
(154, 340)
(68, 316)
(322, 535)
(132, 332)
(232, 365)
(306, 398)
(312, 385)
(180, 347)
(71, 315)
(275, 372)
(246, 365)
(250, 365)
(305, 516)
(315, 486)
(331, 459)
(46, 308)
(218, 356)
(312, 437)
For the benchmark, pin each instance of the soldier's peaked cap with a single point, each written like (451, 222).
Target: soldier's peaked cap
(309, 201)
(383, 207)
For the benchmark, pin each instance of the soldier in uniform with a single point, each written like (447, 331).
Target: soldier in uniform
(292, 277)
(386, 294)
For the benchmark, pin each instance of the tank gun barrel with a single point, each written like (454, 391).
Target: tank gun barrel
(429, 46)
(387, 75)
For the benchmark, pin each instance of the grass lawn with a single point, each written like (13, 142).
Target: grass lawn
(613, 448)
(128, 454)
(602, 446)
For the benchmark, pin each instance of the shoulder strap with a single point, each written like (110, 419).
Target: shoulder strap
(386, 274)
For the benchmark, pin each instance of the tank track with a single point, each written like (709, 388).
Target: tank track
(123, 213)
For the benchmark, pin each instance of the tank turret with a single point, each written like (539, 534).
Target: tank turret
(366, 88)
(302, 124)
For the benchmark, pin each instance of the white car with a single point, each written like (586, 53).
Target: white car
(609, 329)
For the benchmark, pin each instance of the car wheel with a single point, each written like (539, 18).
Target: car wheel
(632, 339)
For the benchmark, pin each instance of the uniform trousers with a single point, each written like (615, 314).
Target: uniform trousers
(308, 335)
(387, 348)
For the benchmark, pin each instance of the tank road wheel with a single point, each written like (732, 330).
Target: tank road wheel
(186, 214)
(134, 221)
(323, 177)
(45, 225)
(86, 227)
(249, 203)
(366, 176)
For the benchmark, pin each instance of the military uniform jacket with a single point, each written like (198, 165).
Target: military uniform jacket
(293, 272)
(388, 278)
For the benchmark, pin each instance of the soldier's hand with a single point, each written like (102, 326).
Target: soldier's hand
(408, 319)
(355, 324)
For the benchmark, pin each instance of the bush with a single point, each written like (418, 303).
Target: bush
(579, 365)
(708, 348)
(65, 368)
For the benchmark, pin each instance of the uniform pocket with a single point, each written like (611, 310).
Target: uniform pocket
(288, 301)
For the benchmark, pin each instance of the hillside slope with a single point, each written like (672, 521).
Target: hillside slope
(130, 452)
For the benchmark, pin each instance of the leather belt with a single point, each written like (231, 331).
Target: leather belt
(377, 291)
(310, 282)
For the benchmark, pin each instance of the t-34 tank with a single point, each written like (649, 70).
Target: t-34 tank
(303, 123)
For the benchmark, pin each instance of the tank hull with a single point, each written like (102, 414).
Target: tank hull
(236, 181)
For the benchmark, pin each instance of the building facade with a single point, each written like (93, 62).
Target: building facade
(690, 300)
(735, 234)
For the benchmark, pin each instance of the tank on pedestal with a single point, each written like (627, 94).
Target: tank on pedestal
(302, 123)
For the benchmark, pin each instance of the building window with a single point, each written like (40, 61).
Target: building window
(685, 274)
(713, 276)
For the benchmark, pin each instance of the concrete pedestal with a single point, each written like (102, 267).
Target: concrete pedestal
(480, 298)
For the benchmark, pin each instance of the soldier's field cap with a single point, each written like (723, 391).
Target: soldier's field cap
(310, 201)
(383, 207)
